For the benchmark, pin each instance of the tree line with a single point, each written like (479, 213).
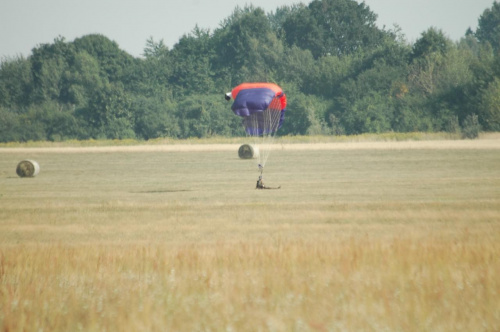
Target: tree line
(341, 73)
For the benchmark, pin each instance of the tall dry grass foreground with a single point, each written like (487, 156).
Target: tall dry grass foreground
(396, 239)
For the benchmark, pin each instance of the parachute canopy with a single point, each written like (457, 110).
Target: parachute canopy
(262, 106)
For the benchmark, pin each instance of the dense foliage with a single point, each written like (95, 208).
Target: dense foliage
(341, 73)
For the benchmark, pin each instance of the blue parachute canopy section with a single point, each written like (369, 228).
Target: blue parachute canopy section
(250, 101)
(262, 106)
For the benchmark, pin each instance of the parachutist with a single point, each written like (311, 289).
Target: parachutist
(262, 107)
(260, 184)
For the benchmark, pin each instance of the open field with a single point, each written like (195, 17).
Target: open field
(363, 236)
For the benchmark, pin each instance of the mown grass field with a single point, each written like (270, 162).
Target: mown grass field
(394, 237)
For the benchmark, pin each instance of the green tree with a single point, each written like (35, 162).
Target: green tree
(427, 60)
(15, 82)
(340, 72)
(489, 106)
(81, 80)
(305, 115)
(9, 126)
(154, 49)
(278, 17)
(108, 113)
(471, 127)
(336, 27)
(150, 77)
(158, 68)
(409, 115)
(326, 77)
(246, 47)
(154, 118)
(48, 64)
(370, 87)
(302, 29)
(442, 74)
(56, 121)
(431, 41)
(113, 61)
(489, 26)
(371, 113)
(207, 115)
(192, 56)
(263, 60)
(298, 68)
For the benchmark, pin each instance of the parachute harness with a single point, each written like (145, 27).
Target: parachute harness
(261, 170)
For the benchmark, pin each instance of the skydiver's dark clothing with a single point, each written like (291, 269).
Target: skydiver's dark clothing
(260, 185)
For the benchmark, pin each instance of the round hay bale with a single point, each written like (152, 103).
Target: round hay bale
(247, 151)
(27, 169)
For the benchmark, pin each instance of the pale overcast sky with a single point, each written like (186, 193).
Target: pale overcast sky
(24, 24)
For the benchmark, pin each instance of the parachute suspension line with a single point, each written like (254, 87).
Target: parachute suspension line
(257, 140)
(262, 108)
(267, 123)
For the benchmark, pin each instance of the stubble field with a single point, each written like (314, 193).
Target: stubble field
(382, 236)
